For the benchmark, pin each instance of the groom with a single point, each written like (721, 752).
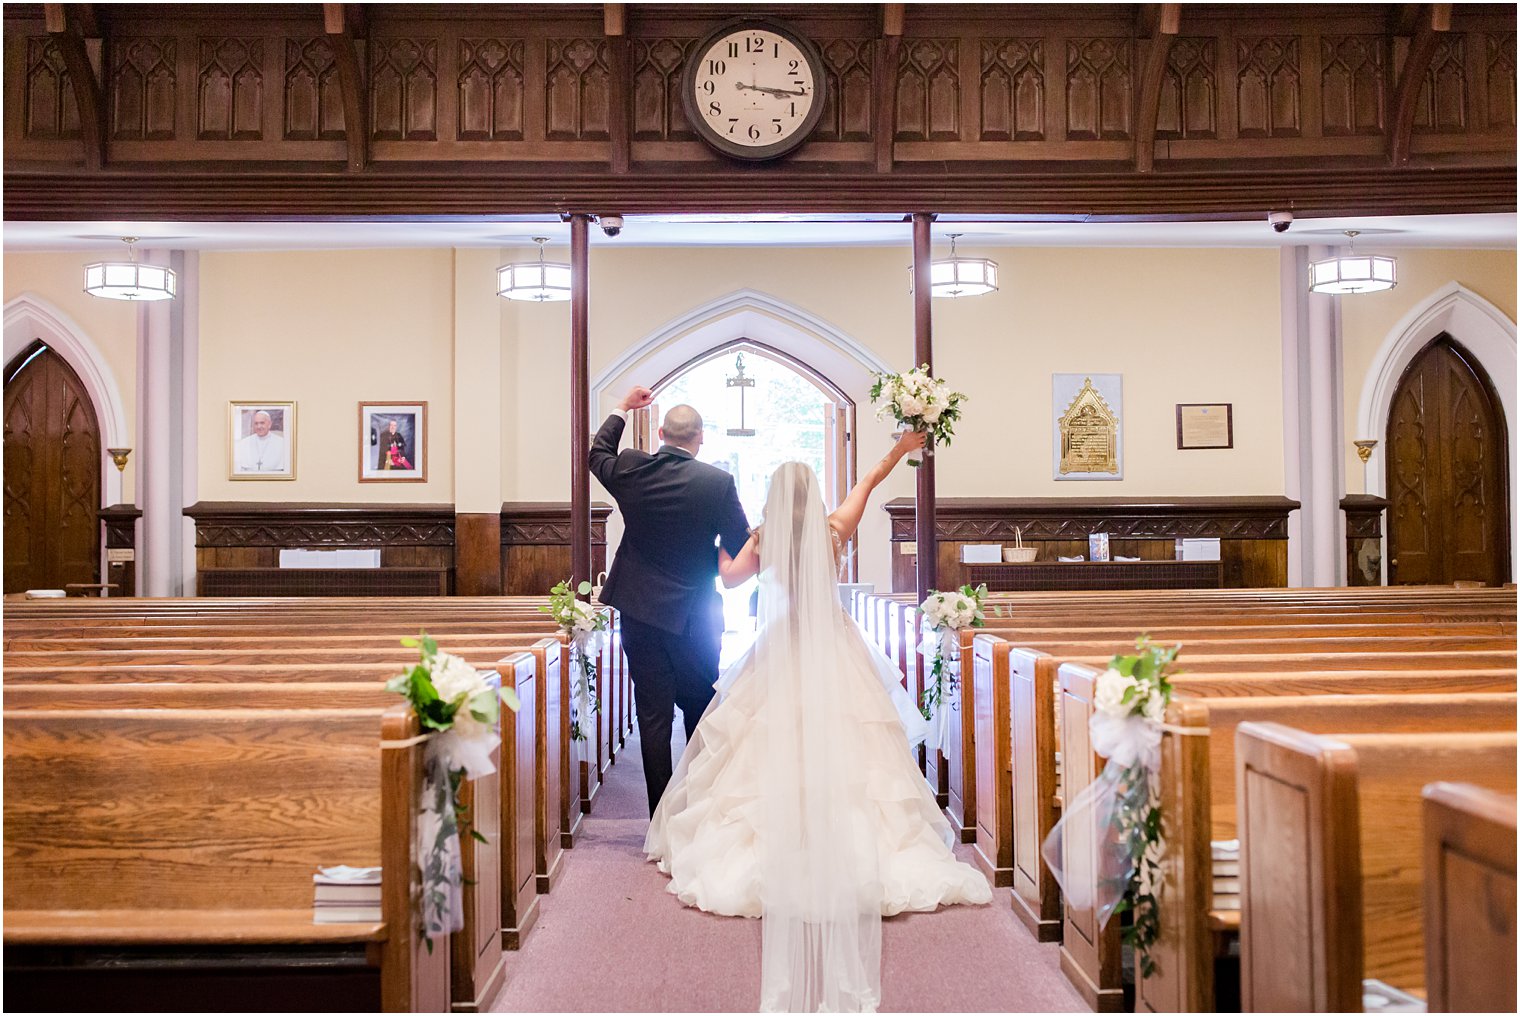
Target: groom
(663, 579)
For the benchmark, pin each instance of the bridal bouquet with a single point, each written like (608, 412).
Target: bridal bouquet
(461, 706)
(919, 402)
(587, 631)
(944, 615)
(1129, 709)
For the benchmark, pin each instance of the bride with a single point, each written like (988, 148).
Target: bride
(798, 800)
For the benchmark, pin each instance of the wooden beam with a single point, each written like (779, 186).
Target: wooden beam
(1436, 18)
(580, 403)
(884, 85)
(344, 25)
(1148, 99)
(614, 20)
(923, 355)
(620, 86)
(892, 18)
(63, 25)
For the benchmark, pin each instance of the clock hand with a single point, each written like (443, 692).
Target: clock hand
(770, 91)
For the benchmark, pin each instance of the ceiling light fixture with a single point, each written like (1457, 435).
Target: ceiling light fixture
(129, 279)
(539, 281)
(957, 276)
(1352, 272)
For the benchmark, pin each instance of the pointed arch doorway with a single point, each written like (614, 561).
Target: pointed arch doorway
(793, 412)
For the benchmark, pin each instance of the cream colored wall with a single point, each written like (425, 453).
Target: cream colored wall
(1368, 321)
(1180, 325)
(110, 324)
(327, 329)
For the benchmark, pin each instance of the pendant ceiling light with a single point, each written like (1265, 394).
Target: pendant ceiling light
(957, 276)
(540, 281)
(741, 382)
(129, 279)
(1352, 272)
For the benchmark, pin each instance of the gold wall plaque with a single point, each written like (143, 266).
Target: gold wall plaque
(1089, 434)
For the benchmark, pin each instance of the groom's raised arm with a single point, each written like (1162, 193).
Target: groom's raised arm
(604, 450)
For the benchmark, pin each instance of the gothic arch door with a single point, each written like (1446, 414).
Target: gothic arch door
(52, 475)
(1447, 459)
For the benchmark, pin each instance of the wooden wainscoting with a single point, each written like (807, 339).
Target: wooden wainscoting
(535, 544)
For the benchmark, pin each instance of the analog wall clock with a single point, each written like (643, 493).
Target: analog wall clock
(754, 89)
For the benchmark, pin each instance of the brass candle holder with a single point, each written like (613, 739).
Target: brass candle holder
(119, 456)
(1364, 452)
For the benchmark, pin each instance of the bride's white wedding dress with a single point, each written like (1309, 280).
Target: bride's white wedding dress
(798, 799)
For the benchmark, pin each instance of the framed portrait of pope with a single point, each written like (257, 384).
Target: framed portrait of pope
(261, 440)
(392, 442)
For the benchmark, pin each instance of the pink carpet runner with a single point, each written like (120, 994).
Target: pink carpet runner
(610, 939)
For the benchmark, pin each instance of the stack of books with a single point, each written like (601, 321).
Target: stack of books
(1226, 855)
(346, 895)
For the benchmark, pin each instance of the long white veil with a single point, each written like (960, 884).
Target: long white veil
(820, 885)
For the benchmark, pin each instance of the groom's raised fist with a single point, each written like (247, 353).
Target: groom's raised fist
(637, 398)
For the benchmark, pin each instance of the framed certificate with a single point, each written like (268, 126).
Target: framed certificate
(1206, 425)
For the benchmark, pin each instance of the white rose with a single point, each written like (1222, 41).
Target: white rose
(1155, 708)
(1108, 696)
(910, 405)
(932, 412)
(453, 677)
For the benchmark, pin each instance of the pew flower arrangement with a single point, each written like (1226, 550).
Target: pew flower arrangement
(944, 615)
(460, 707)
(587, 631)
(921, 403)
(1129, 709)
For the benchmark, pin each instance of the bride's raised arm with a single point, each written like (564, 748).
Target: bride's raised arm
(846, 519)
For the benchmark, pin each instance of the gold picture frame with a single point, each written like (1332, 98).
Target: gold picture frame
(252, 455)
(410, 463)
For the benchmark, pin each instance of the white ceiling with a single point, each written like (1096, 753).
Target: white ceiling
(1495, 231)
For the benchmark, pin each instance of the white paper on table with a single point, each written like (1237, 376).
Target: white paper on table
(340, 558)
(1203, 549)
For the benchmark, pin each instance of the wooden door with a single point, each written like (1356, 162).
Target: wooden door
(1447, 464)
(52, 475)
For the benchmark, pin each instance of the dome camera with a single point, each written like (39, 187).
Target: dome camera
(612, 225)
(1280, 221)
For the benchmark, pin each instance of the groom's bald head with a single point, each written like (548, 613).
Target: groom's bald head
(682, 428)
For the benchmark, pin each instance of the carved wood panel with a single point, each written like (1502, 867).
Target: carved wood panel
(313, 94)
(658, 111)
(52, 477)
(847, 99)
(404, 89)
(1099, 89)
(230, 90)
(51, 111)
(490, 90)
(1449, 513)
(929, 90)
(1500, 83)
(1189, 105)
(1442, 106)
(1354, 84)
(142, 89)
(578, 90)
(1013, 90)
(1268, 87)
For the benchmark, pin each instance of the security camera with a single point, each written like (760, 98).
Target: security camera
(612, 225)
(1280, 221)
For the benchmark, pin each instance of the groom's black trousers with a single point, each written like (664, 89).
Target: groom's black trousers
(669, 670)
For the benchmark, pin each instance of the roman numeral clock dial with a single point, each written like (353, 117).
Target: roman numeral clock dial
(753, 90)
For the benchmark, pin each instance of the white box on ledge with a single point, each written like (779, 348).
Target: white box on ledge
(981, 553)
(343, 558)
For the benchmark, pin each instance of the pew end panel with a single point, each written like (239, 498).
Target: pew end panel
(1033, 788)
(550, 762)
(413, 977)
(519, 800)
(1184, 952)
(960, 741)
(572, 756)
(1090, 956)
(1469, 899)
(993, 848)
(931, 761)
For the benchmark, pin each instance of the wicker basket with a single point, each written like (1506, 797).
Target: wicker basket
(1018, 553)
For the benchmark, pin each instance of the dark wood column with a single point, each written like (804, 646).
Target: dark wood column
(580, 404)
(923, 355)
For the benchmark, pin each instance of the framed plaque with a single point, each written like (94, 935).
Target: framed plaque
(1088, 426)
(1206, 425)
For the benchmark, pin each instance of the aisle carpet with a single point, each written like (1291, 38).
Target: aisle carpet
(610, 939)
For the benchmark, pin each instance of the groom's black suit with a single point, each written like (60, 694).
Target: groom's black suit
(663, 582)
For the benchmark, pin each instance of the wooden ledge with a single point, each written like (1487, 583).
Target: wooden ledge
(180, 927)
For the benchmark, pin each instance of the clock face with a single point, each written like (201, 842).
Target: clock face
(753, 91)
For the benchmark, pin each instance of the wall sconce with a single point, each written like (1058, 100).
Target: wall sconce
(1364, 452)
(119, 456)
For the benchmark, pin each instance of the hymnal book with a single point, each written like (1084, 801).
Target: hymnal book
(1380, 996)
(348, 893)
(345, 915)
(342, 874)
(1226, 901)
(1225, 850)
(1097, 546)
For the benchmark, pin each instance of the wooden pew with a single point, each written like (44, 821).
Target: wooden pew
(1338, 817)
(1198, 782)
(1469, 899)
(171, 811)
